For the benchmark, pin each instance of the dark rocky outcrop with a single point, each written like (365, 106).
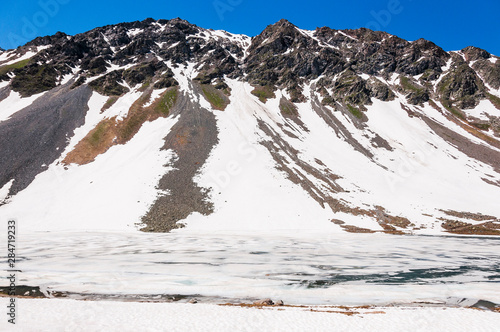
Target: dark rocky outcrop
(282, 56)
(23, 291)
(140, 73)
(34, 79)
(166, 80)
(109, 84)
(472, 53)
(48, 40)
(94, 66)
(414, 92)
(380, 90)
(352, 89)
(461, 87)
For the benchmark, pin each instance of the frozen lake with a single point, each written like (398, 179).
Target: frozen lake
(298, 268)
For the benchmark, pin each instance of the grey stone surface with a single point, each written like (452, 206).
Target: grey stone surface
(37, 135)
(191, 138)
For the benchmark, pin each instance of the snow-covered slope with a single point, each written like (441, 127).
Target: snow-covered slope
(162, 124)
(128, 316)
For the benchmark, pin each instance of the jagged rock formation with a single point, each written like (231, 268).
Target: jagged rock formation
(171, 69)
(282, 56)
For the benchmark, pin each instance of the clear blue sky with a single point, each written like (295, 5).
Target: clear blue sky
(452, 24)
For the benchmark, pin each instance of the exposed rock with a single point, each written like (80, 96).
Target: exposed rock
(295, 172)
(109, 85)
(95, 66)
(34, 79)
(191, 138)
(355, 229)
(415, 94)
(417, 97)
(139, 74)
(110, 132)
(264, 302)
(48, 40)
(352, 89)
(459, 227)
(216, 97)
(281, 55)
(420, 56)
(287, 108)
(476, 151)
(472, 53)
(461, 87)
(36, 136)
(78, 82)
(469, 215)
(4, 92)
(264, 92)
(489, 71)
(23, 291)
(380, 90)
(339, 128)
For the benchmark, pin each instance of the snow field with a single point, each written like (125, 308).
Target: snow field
(36, 315)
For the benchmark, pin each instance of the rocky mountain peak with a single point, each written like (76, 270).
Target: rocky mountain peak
(48, 40)
(278, 36)
(281, 25)
(366, 35)
(472, 53)
(282, 56)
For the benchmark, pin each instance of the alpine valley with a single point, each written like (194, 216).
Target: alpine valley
(161, 125)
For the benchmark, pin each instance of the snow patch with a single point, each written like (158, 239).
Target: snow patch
(4, 191)
(14, 103)
(92, 118)
(27, 55)
(4, 84)
(364, 76)
(121, 107)
(134, 32)
(155, 94)
(483, 110)
(345, 35)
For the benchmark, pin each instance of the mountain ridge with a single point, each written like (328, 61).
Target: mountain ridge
(289, 84)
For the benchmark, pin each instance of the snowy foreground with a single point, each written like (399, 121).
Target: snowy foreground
(72, 315)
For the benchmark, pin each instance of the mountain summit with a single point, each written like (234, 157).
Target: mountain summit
(160, 124)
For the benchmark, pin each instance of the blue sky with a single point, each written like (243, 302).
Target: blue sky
(452, 25)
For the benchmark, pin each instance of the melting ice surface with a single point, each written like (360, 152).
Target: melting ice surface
(298, 268)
